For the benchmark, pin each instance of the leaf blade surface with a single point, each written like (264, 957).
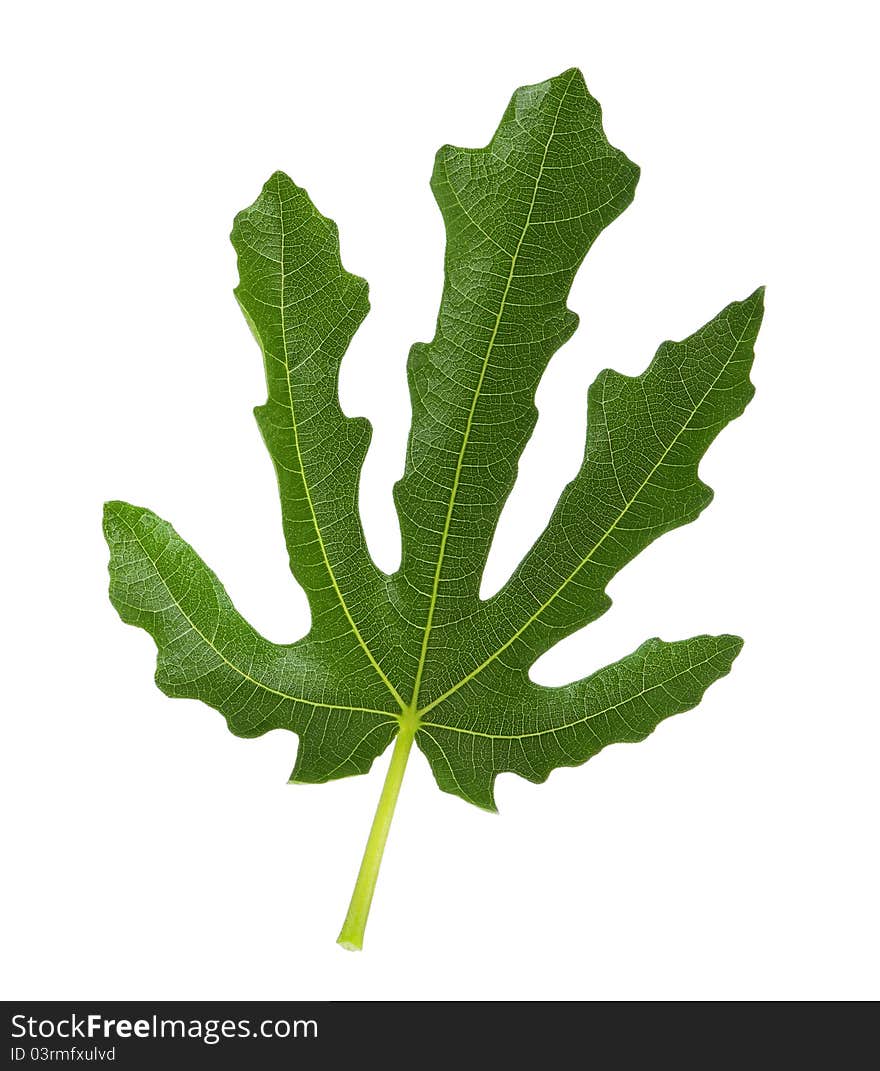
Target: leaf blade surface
(418, 656)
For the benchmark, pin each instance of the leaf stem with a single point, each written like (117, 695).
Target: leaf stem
(351, 936)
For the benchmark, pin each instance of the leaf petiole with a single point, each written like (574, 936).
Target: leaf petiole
(351, 936)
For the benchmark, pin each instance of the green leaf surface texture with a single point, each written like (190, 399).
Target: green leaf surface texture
(419, 652)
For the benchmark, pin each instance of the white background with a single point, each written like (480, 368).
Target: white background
(149, 853)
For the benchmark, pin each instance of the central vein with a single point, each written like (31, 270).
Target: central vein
(432, 605)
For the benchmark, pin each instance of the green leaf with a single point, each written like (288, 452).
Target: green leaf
(418, 656)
